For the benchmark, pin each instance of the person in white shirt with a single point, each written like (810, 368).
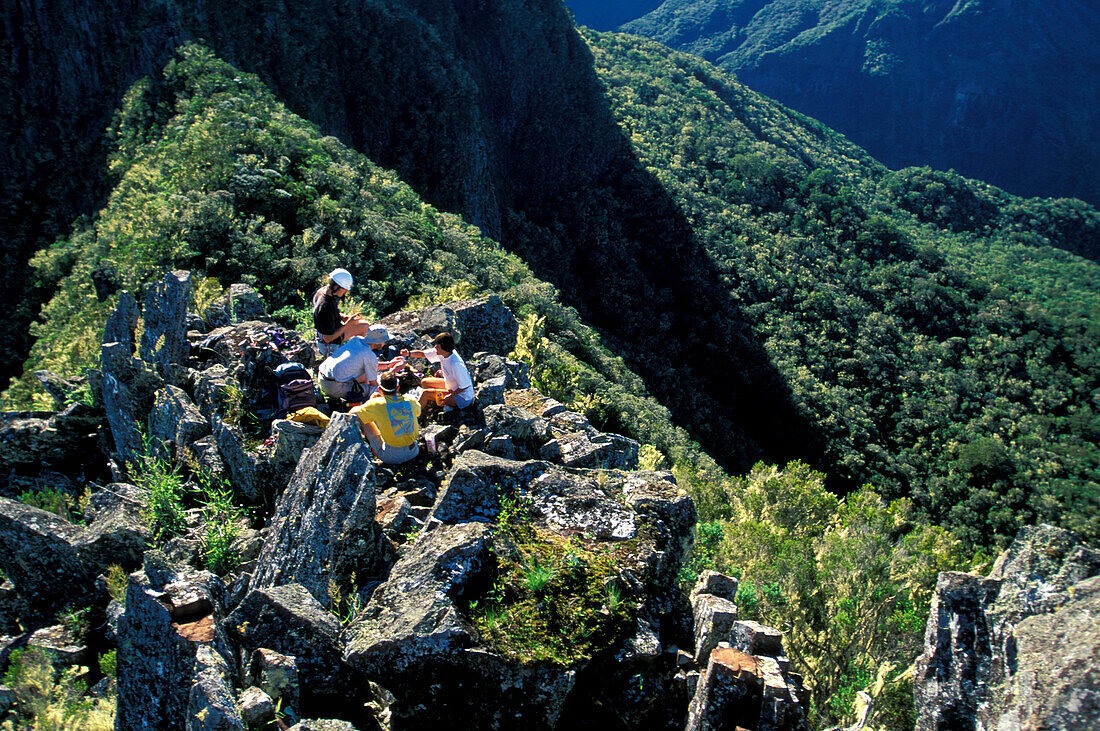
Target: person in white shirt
(455, 388)
(352, 371)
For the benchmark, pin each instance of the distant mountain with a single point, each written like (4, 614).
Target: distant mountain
(1002, 91)
(609, 14)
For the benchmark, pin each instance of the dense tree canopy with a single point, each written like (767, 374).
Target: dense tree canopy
(926, 323)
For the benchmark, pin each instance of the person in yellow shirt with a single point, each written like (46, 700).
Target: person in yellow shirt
(389, 422)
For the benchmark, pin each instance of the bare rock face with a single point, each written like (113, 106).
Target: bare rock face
(175, 418)
(743, 691)
(1057, 676)
(240, 304)
(172, 650)
(324, 530)
(283, 622)
(478, 325)
(164, 338)
(476, 484)
(1000, 650)
(211, 705)
(714, 619)
(122, 323)
(65, 441)
(38, 552)
(412, 616)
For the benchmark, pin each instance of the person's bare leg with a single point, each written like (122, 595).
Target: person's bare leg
(435, 391)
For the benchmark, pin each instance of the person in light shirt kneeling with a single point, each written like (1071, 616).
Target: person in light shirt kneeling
(455, 389)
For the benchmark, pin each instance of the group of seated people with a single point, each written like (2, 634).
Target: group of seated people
(352, 371)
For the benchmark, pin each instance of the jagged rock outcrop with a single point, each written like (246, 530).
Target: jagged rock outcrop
(324, 532)
(164, 337)
(407, 568)
(478, 325)
(240, 303)
(53, 563)
(173, 655)
(414, 639)
(744, 680)
(283, 622)
(65, 440)
(991, 658)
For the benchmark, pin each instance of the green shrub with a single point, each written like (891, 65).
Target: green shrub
(47, 700)
(221, 526)
(164, 488)
(849, 579)
(117, 581)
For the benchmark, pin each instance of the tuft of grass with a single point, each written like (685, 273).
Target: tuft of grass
(75, 622)
(108, 663)
(48, 700)
(51, 500)
(220, 528)
(537, 577)
(164, 488)
(117, 580)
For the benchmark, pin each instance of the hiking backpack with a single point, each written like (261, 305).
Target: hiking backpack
(294, 388)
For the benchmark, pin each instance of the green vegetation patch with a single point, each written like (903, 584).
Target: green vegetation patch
(848, 579)
(50, 699)
(556, 599)
(934, 331)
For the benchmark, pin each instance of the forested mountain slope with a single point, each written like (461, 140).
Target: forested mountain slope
(484, 107)
(1002, 91)
(921, 321)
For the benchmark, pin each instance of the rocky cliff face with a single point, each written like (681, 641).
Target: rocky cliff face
(997, 91)
(1018, 649)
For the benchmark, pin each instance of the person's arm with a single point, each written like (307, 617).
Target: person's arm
(413, 354)
(392, 365)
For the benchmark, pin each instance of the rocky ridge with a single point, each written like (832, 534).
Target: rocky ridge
(521, 572)
(1019, 648)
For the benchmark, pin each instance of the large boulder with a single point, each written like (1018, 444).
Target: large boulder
(175, 418)
(239, 464)
(478, 325)
(240, 303)
(39, 553)
(1056, 683)
(989, 639)
(127, 387)
(291, 622)
(955, 667)
(323, 531)
(412, 618)
(65, 441)
(413, 638)
(477, 482)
